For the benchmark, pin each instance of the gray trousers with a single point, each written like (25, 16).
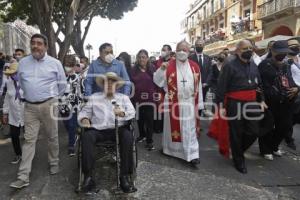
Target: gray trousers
(34, 116)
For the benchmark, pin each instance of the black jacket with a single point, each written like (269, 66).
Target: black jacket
(213, 81)
(238, 76)
(271, 75)
(205, 69)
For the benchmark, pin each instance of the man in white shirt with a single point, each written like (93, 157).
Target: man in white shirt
(265, 56)
(99, 117)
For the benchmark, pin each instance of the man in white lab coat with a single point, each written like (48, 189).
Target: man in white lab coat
(13, 109)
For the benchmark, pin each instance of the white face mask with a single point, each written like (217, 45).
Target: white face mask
(181, 56)
(163, 54)
(109, 58)
(18, 58)
(68, 69)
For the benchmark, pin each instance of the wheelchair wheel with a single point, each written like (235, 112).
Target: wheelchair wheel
(79, 161)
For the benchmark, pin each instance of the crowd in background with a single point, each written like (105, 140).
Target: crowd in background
(274, 78)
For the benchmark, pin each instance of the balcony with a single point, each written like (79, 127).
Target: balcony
(216, 36)
(244, 29)
(274, 7)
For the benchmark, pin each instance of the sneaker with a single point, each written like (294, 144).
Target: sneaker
(140, 139)
(278, 153)
(71, 152)
(54, 169)
(18, 184)
(268, 157)
(16, 160)
(150, 147)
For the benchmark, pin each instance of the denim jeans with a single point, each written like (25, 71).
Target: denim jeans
(71, 126)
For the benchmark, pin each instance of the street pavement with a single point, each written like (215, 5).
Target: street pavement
(160, 176)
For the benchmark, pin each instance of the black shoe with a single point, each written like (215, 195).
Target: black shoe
(16, 160)
(291, 145)
(150, 147)
(89, 185)
(126, 186)
(195, 163)
(140, 139)
(241, 167)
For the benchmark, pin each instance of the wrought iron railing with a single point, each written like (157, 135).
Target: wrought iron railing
(273, 6)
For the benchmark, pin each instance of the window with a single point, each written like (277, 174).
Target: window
(222, 3)
(193, 21)
(247, 13)
(204, 12)
(212, 6)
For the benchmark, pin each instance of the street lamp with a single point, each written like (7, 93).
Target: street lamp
(89, 47)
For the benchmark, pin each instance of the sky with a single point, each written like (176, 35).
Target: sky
(150, 25)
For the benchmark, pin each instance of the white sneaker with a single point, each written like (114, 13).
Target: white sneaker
(278, 153)
(268, 157)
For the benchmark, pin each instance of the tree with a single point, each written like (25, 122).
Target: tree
(111, 9)
(55, 18)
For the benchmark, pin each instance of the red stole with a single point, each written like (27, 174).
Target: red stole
(219, 129)
(160, 91)
(173, 98)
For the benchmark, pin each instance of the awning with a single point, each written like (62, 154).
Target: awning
(264, 43)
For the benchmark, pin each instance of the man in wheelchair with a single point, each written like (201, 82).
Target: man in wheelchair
(98, 117)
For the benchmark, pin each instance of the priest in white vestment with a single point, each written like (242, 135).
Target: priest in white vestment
(181, 81)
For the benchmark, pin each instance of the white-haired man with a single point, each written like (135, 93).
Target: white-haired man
(181, 80)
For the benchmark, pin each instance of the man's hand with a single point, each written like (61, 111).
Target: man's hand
(204, 85)
(118, 112)
(85, 122)
(164, 65)
(263, 106)
(5, 119)
(222, 112)
(292, 92)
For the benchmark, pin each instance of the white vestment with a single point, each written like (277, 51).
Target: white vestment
(188, 148)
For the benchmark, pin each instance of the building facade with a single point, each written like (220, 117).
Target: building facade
(223, 23)
(280, 17)
(15, 35)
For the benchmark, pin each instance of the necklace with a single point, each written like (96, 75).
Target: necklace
(183, 81)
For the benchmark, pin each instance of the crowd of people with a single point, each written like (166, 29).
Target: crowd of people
(255, 97)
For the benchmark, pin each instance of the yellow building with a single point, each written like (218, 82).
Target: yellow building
(222, 23)
(280, 17)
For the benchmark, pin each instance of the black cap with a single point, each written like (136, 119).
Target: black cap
(281, 46)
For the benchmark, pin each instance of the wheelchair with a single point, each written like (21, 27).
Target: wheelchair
(110, 148)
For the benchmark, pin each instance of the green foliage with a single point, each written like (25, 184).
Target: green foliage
(10, 10)
(45, 13)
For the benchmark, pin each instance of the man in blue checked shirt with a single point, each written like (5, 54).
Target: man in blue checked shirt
(42, 79)
(106, 62)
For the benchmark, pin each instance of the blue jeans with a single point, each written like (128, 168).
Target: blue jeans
(71, 126)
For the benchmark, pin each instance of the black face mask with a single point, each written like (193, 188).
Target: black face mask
(220, 59)
(290, 61)
(199, 49)
(247, 55)
(280, 57)
(295, 50)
